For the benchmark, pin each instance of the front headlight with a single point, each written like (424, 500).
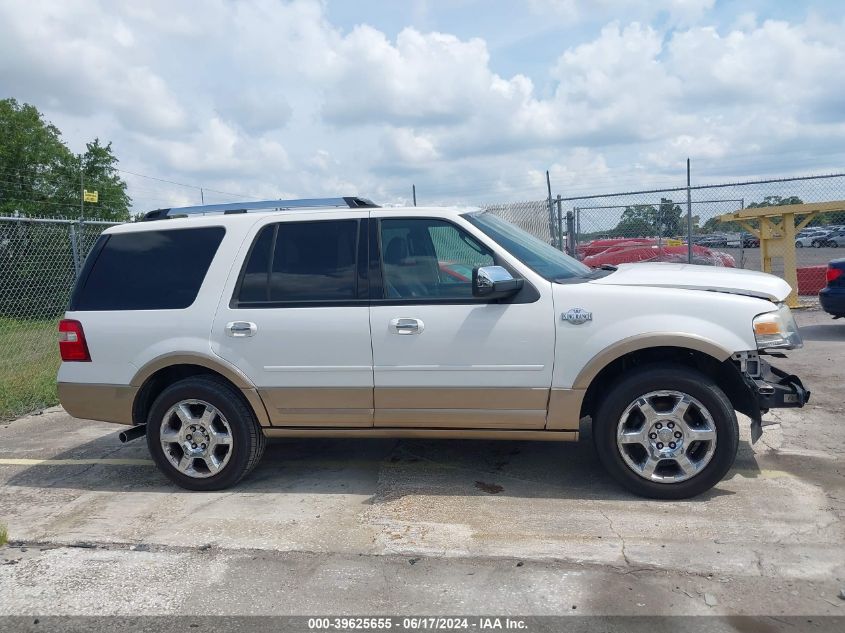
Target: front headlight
(777, 330)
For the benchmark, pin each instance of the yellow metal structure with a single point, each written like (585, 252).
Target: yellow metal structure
(778, 227)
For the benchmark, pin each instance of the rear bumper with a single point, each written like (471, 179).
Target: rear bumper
(774, 389)
(833, 300)
(107, 403)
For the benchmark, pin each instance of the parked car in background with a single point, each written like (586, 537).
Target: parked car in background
(816, 240)
(711, 240)
(614, 252)
(832, 296)
(749, 240)
(835, 238)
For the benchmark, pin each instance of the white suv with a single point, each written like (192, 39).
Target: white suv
(210, 329)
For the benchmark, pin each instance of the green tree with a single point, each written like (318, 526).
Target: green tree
(35, 164)
(40, 176)
(670, 220)
(100, 174)
(636, 221)
(646, 220)
(775, 201)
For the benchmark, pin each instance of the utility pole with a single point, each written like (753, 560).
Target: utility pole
(202, 196)
(414, 193)
(689, 217)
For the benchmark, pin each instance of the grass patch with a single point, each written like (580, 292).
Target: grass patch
(29, 360)
(4, 535)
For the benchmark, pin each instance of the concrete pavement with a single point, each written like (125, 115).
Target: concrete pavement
(381, 526)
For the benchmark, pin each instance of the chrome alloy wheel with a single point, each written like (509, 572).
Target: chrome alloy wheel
(666, 436)
(196, 438)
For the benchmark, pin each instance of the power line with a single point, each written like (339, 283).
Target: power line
(182, 184)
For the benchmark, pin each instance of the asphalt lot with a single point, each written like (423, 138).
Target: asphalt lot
(428, 527)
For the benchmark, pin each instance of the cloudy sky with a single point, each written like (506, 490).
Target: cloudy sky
(471, 100)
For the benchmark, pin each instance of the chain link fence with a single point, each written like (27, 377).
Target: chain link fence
(651, 225)
(40, 258)
(39, 261)
(537, 217)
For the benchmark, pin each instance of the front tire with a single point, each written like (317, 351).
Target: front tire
(203, 435)
(666, 432)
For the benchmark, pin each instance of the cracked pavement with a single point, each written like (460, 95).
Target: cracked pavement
(422, 526)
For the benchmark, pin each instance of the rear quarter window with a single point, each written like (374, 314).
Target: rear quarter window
(147, 270)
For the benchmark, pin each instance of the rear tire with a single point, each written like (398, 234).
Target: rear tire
(202, 434)
(684, 405)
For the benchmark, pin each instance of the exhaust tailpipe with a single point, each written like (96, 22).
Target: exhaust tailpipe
(133, 433)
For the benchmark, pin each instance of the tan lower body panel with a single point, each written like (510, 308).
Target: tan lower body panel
(457, 407)
(317, 406)
(466, 434)
(565, 409)
(107, 403)
(427, 407)
(461, 418)
(113, 403)
(461, 398)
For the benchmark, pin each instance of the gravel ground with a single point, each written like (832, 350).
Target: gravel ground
(428, 527)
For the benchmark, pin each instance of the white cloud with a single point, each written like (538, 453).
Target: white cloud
(424, 78)
(77, 57)
(272, 98)
(411, 149)
(218, 148)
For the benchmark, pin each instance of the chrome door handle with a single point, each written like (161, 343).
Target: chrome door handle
(406, 326)
(239, 329)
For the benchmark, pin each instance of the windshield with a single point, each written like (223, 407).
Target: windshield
(542, 258)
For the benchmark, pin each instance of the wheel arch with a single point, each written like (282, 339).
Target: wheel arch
(691, 351)
(157, 374)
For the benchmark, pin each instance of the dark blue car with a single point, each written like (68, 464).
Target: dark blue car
(832, 297)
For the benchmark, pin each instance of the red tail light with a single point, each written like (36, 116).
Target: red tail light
(72, 345)
(833, 273)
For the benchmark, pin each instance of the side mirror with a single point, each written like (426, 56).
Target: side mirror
(494, 282)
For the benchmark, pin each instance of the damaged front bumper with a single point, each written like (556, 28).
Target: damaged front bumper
(770, 388)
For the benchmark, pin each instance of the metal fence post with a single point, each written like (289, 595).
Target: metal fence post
(552, 239)
(559, 224)
(741, 238)
(577, 211)
(74, 248)
(689, 217)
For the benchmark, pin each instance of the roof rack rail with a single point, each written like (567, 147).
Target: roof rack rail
(347, 202)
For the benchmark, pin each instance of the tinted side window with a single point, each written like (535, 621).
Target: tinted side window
(301, 262)
(424, 258)
(149, 270)
(254, 284)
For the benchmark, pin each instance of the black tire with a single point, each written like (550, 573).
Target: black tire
(799, 245)
(666, 377)
(248, 441)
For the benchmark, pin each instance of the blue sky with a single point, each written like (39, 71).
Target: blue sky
(470, 100)
(526, 41)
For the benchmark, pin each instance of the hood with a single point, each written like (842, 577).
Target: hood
(694, 277)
